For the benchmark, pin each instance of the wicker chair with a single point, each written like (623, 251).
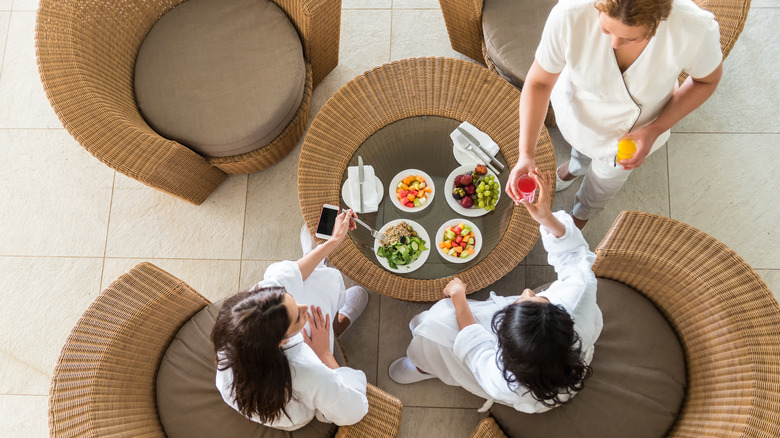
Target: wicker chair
(463, 19)
(104, 381)
(86, 55)
(727, 319)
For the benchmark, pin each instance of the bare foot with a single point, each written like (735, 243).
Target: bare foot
(564, 174)
(580, 223)
(340, 323)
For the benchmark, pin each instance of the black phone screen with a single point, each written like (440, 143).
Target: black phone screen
(327, 221)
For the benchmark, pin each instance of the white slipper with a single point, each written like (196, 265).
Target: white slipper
(560, 184)
(354, 304)
(403, 371)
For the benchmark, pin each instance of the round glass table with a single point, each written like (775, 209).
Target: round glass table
(399, 116)
(423, 143)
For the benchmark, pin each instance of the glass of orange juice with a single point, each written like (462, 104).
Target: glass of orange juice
(626, 150)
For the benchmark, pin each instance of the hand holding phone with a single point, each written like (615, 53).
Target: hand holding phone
(327, 221)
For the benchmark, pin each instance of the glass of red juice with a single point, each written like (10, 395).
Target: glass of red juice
(527, 187)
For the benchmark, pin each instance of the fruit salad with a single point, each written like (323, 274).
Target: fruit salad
(413, 191)
(458, 241)
(476, 189)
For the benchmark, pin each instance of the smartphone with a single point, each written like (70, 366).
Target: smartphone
(327, 221)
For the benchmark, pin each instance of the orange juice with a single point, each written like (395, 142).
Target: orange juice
(626, 149)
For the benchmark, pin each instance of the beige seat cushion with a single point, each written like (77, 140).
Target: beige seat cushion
(188, 400)
(222, 77)
(638, 380)
(512, 30)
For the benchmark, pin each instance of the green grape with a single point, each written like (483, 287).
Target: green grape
(480, 195)
(481, 204)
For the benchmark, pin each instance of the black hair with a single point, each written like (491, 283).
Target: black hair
(247, 335)
(539, 349)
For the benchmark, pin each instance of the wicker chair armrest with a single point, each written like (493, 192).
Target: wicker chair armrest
(731, 16)
(383, 419)
(319, 25)
(463, 19)
(104, 380)
(488, 428)
(727, 319)
(86, 58)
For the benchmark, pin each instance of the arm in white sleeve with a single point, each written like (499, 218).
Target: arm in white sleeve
(285, 274)
(340, 395)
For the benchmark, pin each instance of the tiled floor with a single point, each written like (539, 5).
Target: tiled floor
(71, 225)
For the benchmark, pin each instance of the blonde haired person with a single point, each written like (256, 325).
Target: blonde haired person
(610, 70)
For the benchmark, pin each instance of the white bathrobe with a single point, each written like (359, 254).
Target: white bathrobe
(595, 104)
(337, 396)
(467, 357)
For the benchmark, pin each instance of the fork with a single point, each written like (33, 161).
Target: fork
(374, 233)
(466, 144)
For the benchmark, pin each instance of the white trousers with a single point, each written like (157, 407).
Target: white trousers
(602, 181)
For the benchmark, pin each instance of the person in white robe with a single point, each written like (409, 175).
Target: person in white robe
(320, 388)
(611, 71)
(458, 342)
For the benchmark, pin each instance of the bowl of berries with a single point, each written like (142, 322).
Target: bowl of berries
(473, 190)
(458, 240)
(411, 190)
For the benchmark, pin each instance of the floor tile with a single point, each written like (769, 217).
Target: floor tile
(772, 279)
(71, 192)
(47, 296)
(361, 341)
(25, 5)
(364, 44)
(417, 4)
(5, 5)
(744, 101)
(536, 276)
(395, 337)
(418, 33)
(438, 423)
(149, 223)
(5, 22)
(723, 184)
(24, 102)
(647, 189)
(214, 279)
(273, 214)
(510, 284)
(24, 416)
(764, 4)
(366, 4)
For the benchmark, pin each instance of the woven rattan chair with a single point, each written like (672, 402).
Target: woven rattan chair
(727, 320)
(463, 19)
(104, 381)
(86, 55)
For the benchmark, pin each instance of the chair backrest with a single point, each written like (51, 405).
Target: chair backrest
(727, 320)
(104, 381)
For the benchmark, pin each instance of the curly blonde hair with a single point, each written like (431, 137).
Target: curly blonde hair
(648, 13)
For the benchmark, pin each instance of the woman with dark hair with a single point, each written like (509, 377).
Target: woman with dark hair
(531, 351)
(610, 69)
(275, 361)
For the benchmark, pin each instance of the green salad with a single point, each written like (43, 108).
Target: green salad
(403, 245)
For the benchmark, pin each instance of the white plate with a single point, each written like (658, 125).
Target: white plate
(477, 240)
(449, 185)
(415, 264)
(463, 157)
(398, 178)
(346, 194)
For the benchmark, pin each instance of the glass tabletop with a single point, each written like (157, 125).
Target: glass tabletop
(424, 143)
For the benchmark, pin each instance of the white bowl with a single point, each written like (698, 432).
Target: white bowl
(402, 269)
(452, 223)
(449, 186)
(398, 178)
